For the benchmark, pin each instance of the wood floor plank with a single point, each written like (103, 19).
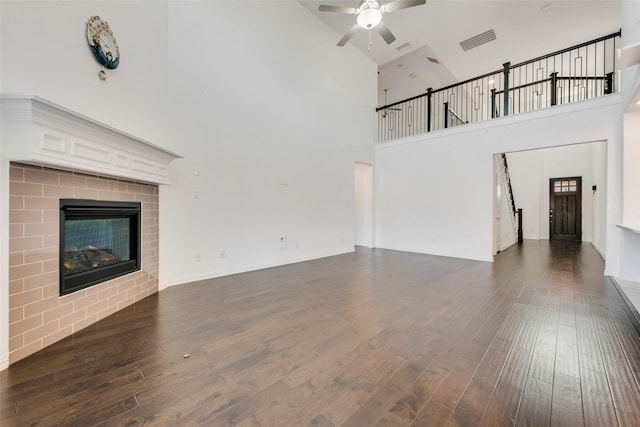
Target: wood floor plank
(375, 337)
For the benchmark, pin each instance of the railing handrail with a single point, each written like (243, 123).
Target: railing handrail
(578, 46)
(511, 67)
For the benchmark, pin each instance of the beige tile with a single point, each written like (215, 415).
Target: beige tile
(117, 186)
(24, 216)
(16, 230)
(16, 173)
(41, 229)
(41, 255)
(106, 293)
(16, 314)
(41, 202)
(126, 303)
(50, 241)
(97, 307)
(134, 188)
(74, 296)
(72, 318)
(51, 216)
(114, 300)
(25, 351)
(40, 332)
(39, 307)
(16, 202)
(50, 266)
(15, 343)
(127, 284)
(25, 243)
(56, 191)
(25, 189)
(24, 325)
(16, 286)
(141, 197)
(97, 184)
(51, 290)
(107, 311)
(132, 291)
(87, 321)
(57, 336)
(76, 181)
(57, 312)
(126, 197)
(24, 298)
(41, 177)
(85, 193)
(41, 281)
(16, 258)
(25, 270)
(85, 302)
(107, 195)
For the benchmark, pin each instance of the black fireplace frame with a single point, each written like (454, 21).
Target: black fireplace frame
(100, 209)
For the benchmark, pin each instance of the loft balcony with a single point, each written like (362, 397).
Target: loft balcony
(577, 73)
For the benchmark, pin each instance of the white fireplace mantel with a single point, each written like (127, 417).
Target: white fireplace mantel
(36, 131)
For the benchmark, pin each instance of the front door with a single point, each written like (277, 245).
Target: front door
(565, 208)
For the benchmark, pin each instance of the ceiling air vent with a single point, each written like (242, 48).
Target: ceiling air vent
(434, 60)
(403, 47)
(478, 40)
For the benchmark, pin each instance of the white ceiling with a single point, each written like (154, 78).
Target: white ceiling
(524, 29)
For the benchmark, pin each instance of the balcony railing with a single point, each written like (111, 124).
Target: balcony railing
(573, 74)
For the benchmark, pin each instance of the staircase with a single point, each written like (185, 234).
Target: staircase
(516, 214)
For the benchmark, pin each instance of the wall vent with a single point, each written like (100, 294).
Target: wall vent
(434, 60)
(403, 47)
(478, 40)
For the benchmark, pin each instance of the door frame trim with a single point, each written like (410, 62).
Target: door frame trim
(578, 207)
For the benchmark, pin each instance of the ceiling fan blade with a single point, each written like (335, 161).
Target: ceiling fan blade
(400, 4)
(349, 34)
(338, 9)
(385, 33)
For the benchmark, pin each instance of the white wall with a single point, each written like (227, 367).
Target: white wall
(45, 52)
(434, 193)
(530, 174)
(272, 115)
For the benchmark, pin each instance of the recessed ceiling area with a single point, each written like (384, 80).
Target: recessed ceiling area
(524, 29)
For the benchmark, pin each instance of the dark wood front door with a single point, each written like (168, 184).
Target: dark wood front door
(565, 208)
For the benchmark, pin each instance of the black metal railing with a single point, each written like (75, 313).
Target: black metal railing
(574, 74)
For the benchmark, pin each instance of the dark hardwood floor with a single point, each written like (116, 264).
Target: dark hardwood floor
(374, 338)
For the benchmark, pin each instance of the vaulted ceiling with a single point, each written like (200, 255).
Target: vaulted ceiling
(524, 29)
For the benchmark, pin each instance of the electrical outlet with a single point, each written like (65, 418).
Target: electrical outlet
(196, 194)
(223, 254)
(196, 258)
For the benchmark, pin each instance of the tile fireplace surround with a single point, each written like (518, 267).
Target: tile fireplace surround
(38, 316)
(51, 153)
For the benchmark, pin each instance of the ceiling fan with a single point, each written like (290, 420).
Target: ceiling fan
(369, 15)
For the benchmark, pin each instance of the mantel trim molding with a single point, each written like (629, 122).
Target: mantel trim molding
(39, 132)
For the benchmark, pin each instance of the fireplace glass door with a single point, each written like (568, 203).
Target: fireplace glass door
(99, 241)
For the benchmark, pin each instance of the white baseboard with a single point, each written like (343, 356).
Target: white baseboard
(214, 274)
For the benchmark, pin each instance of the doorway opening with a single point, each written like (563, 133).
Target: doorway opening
(363, 205)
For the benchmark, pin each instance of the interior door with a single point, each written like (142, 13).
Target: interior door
(565, 208)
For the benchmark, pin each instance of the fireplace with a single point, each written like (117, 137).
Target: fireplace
(99, 241)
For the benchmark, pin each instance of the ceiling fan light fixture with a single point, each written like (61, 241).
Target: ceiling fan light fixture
(369, 18)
